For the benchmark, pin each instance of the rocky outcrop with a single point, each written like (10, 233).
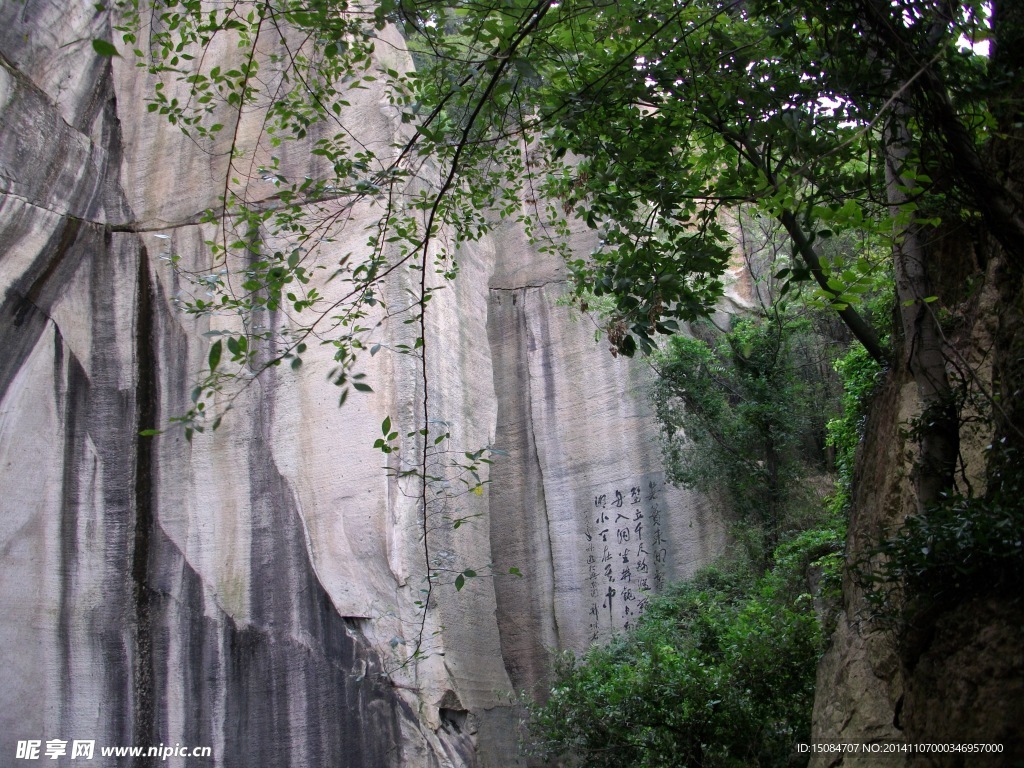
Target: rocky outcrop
(255, 590)
(940, 668)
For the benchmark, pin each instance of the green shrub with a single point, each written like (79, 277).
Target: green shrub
(742, 417)
(719, 671)
(963, 545)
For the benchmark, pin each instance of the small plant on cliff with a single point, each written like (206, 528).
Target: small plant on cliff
(966, 544)
(860, 375)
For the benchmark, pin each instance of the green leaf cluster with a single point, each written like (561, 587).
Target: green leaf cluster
(719, 671)
(860, 376)
(743, 415)
(967, 544)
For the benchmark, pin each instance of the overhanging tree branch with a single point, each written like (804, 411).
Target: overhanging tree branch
(859, 327)
(1001, 210)
(803, 247)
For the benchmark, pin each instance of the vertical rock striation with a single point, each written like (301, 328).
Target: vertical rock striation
(254, 591)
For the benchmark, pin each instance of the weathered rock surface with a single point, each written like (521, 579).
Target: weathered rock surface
(946, 671)
(247, 591)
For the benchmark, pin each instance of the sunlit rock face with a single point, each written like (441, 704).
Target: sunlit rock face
(257, 591)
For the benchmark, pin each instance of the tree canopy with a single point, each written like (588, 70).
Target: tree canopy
(650, 121)
(653, 122)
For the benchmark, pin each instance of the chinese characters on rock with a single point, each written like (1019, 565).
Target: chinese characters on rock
(626, 554)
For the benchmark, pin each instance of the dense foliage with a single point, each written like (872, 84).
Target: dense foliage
(719, 671)
(742, 418)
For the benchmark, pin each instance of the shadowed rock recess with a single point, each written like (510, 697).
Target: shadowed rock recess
(255, 591)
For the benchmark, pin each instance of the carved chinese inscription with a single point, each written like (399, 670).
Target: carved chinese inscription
(626, 554)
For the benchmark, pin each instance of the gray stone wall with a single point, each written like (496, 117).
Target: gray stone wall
(255, 590)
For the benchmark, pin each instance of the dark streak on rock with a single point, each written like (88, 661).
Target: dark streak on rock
(59, 385)
(145, 418)
(74, 404)
(549, 402)
(525, 615)
(282, 693)
(111, 429)
(28, 301)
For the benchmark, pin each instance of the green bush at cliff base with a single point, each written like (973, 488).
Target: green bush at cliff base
(718, 672)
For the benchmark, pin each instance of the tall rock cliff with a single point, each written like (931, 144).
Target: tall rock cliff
(933, 674)
(257, 590)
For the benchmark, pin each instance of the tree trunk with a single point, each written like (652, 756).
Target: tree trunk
(922, 352)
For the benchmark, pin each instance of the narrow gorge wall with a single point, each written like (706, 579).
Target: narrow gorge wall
(249, 590)
(935, 678)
